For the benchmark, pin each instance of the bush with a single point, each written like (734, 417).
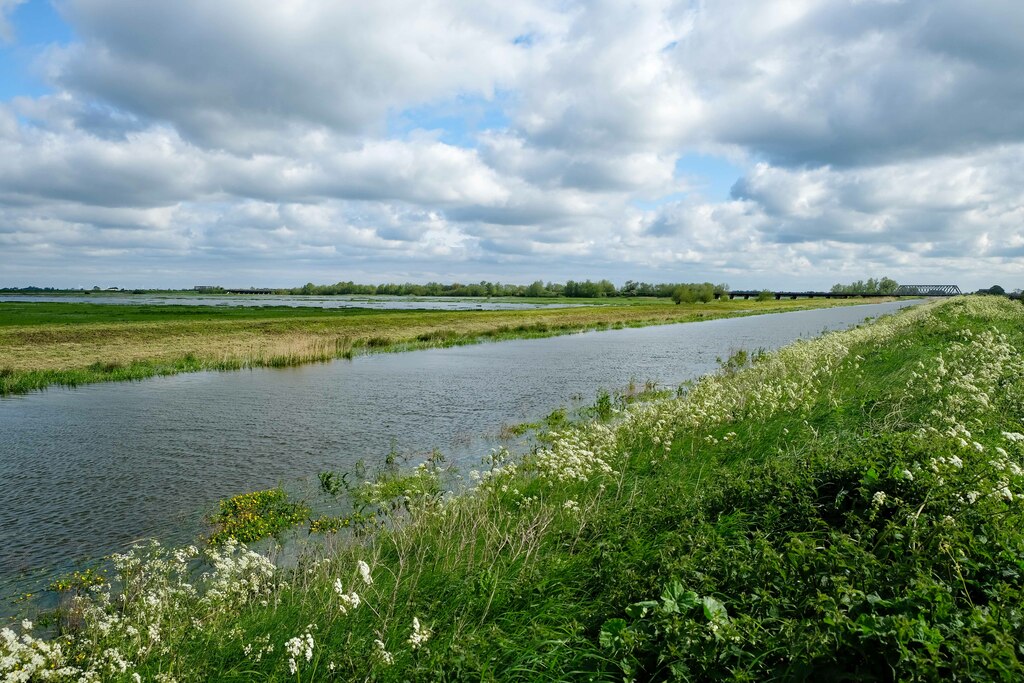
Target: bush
(684, 294)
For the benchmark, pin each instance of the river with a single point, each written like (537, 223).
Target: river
(87, 471)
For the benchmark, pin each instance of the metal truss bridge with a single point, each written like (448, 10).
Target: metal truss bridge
(902, 290)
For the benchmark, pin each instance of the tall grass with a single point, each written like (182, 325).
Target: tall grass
(849, 506)
(99, 346)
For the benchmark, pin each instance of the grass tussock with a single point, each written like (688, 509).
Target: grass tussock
(847, 508)
(72, 344)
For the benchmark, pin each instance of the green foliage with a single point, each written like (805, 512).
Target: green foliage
(691, 293)
(871, 286)
(847, 508)
(842, 560)
(332, 483)
(250, 517)
(78, 581)
(765, 295)
(684, 294)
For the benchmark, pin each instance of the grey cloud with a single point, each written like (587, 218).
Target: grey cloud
(865, 83)
(233, 75)
(145, 171)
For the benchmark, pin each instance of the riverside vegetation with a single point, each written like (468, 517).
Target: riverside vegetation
(44, 344)
(847, 508)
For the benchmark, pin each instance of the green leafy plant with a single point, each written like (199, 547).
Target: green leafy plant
(252, 516)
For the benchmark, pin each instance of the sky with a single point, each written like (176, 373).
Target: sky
(764, 144)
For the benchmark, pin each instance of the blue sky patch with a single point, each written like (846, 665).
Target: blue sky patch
(36, 25)
(711, 176)
(459, 120)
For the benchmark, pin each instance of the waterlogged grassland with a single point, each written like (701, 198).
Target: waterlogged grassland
(847, 508)
(43, 344)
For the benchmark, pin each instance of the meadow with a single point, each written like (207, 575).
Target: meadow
(44, 344)
(847, 508)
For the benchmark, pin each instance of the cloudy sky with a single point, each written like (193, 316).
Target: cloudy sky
(793, 143)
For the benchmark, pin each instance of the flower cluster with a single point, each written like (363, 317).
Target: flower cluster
(420, 634)
(158, 591)
(578, 454)
(299, 648)
(347, 600)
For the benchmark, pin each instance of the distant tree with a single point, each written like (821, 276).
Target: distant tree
(996, 289)
(536, 289)
(765, 295)
(887, 285)
(706, 292)
(684, 294)
(872, 286)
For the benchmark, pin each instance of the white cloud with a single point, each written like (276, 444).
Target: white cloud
(878, 138)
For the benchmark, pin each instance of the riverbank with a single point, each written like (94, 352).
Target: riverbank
(45, 344)
(850, 505)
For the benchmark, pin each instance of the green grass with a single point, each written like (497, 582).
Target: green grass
(848, 508)
(44, 344)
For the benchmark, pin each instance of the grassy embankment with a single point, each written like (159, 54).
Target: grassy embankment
(43, 344)
(847, 508)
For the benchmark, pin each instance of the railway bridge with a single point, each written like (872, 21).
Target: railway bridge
(901, 291)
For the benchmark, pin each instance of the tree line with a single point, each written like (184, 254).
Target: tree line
(537, 289)
(870, 286)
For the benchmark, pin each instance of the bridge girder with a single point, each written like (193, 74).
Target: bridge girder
(927, 290)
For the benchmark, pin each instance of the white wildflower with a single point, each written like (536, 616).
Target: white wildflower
(1013, 436)
(298, 648)
(419, 635)
(878, 499)
(908, 475)
(364, 571)
(347, 601)
(381, 654)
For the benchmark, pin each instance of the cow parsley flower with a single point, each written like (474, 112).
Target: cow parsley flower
(347, 601)
(364, 571)
(298, 648)
(381, 654)
(419, 635)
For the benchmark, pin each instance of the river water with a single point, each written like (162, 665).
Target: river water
(86, 471)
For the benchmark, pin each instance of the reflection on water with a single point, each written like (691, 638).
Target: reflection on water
(86, 471)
